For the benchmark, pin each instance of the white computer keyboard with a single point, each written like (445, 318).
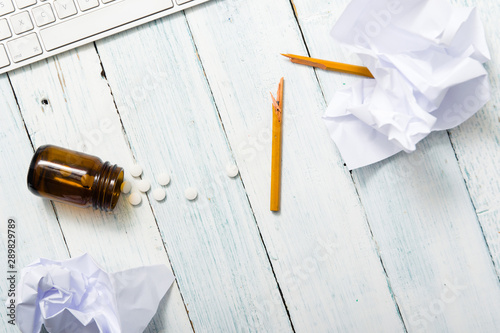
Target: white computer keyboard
(31, 30)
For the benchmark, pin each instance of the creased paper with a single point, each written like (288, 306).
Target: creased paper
(76, 296)
(427, 59)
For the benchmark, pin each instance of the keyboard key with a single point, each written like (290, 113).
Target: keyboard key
(6, 6)
(25, 3)
(87, 4)
(21, 22)
(4, 29)
(102, 19)
(4, 59)
(24, 47)
(181, 2)
(107, 1)
(65, 8)
(43, 15)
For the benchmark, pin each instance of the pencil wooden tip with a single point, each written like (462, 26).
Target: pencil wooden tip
(285, 55)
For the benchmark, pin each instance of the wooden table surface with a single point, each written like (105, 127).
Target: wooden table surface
(411, 244)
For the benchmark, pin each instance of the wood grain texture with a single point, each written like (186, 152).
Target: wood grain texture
(83, 117)
(320, 246)
(37, 229)
(477, 141)
(214, 244)
(421, 216)
(409, 244)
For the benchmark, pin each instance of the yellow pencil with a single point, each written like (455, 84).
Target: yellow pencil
(330, 65)
(276, 157)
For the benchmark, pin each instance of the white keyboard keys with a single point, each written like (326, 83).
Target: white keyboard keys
(6, 6)
(4, 59)
(25, 3)
(87, 4)
(43, 15)
(103, 19)
(32, 30)
(65, 8)
(21, 22)
(24, 47)
(4, 29)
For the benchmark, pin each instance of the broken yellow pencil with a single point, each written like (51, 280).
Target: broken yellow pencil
(276, 157)
(330, 65)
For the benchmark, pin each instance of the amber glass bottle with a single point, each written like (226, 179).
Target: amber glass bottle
(76, 178)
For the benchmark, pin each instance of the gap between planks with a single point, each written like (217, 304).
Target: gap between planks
(461, 167)
(389, 285)
(33, 149)
(104, 76)
(467, 187)
(241, 178)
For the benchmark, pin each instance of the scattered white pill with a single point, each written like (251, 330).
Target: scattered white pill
(232, 170)
(126, 187)
(191, 193)
(144, 185)
(163, 179)
(159, 194)
(136, 170)
(135, 198)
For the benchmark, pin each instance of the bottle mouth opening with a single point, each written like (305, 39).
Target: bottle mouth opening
(108, 187)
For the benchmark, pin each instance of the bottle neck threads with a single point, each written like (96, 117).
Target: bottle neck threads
(107, 187)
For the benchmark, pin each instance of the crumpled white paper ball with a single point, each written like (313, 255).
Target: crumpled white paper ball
(427, 59)
(76, 296)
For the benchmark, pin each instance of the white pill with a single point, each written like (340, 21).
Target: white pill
(159, 194)
(136, 170)
(135, 198)
(191, 193)
(232, 170)
(163, 179)
(144, 185)
(126, 187)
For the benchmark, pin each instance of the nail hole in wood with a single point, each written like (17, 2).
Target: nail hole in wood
(45, 101)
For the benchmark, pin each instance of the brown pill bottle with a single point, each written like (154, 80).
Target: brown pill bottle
(76, 178)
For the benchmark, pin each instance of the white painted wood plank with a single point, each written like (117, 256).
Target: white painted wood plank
(430, 240)
(37, 229)
(341, 288)
(421, 217)
(213, 242)
(81, 115)
(477, 141)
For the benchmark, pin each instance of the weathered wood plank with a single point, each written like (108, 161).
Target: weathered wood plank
(81, 115)
(214, 244)
(421, 216)
(37, 229)
(430, 240)
(477, 141)
(320, 245)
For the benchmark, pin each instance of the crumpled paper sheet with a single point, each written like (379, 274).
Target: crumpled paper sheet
(77, 296)
(427, 59)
